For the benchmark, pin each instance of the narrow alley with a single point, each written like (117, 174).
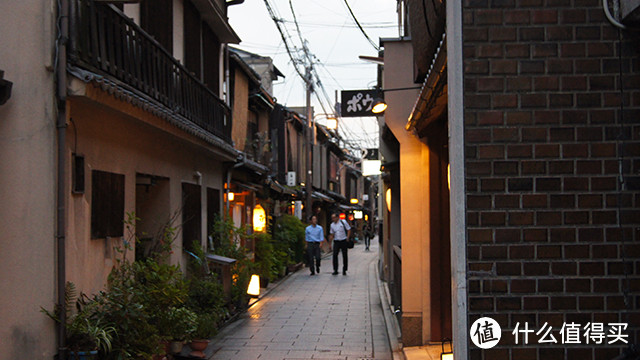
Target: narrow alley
(314, 317)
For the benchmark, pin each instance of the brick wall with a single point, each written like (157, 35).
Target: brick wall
(543, 143)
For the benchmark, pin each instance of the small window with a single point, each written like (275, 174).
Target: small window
(107, 204)
(77, 185)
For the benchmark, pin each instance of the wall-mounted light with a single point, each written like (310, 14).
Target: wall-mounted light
(231, 196)
(254, 286)
(379, 106)
(259, 219)
(366, 217)
(353, 201)
(387, 198)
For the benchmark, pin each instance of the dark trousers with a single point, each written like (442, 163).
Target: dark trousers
(367, 240)
(313, 251)
(340, 245)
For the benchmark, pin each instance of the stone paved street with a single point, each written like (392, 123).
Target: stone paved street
(314, 317)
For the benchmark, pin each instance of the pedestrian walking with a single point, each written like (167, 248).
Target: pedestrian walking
(314, 235)
(339, 232)
(367, 237)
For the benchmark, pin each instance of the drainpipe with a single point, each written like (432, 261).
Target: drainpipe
(61, 126)
(241, 158)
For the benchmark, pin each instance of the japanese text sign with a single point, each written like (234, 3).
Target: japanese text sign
(358, 102)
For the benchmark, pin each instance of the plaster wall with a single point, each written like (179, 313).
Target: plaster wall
(27, 180)
(414, 194)
(121, 143)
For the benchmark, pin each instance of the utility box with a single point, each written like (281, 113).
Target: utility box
(221, 266)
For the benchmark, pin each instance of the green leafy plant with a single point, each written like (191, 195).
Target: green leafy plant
(138, 295)
(178, 323)
(288, 236)
(207, 326)
(85, 329)
(269, 258)
(227, 239)
(207, 296)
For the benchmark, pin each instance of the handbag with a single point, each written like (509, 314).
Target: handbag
(350, 243)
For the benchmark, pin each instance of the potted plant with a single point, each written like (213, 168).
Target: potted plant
(207, 325)
(178, 324)
(86, 332)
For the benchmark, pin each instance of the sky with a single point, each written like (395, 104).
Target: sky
(332, 37)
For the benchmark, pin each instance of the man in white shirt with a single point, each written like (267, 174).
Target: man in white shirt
(339, 232)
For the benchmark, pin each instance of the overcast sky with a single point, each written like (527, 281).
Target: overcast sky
(332, 37)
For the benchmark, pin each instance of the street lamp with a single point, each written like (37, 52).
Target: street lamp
(379, 105)
(332, 123)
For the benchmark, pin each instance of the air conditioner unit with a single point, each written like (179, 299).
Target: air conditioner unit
(630, 11)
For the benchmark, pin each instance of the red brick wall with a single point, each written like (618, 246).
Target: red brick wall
(544, 137)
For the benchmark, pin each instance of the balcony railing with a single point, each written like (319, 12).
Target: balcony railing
(106, 41)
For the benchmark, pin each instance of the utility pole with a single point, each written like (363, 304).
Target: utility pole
(310, 141)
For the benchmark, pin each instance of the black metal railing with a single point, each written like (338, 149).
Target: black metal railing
(104, 40)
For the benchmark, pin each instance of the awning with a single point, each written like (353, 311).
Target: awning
(277, 187)
(348, 207)
(336, 196)
(321, 196)
(254, 166)
(245, 185)
(432, 101)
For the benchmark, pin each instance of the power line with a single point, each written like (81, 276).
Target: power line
(284, 39)
(360, 27)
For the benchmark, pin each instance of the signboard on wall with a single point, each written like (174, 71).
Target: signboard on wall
(357, 103)
(297, 210)
(291, 178)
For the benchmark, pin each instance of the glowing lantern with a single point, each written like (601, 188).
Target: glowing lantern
(388, 199)
(231, 196)
(343, 216)
(254, 286)
(259, 219)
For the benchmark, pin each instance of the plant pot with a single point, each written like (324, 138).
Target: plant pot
(82, 355)
(164, 345)
(198, 347)
(176, 346)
